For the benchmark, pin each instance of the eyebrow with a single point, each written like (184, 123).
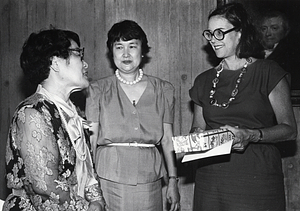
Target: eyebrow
(129, 41)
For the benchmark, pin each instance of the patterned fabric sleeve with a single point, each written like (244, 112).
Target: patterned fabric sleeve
(42, 153)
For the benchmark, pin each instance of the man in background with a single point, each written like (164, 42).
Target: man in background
(274, 31)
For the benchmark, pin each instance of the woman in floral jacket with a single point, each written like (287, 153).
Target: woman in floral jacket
(48, 162)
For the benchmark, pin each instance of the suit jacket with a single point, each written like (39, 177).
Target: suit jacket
(287, 55)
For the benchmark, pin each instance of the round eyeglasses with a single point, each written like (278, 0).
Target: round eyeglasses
(77, 52)
(218, 34)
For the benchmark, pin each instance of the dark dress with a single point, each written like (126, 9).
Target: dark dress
(249, 180)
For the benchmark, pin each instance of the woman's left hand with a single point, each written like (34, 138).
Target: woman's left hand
(242, 137)
(97, 206)
(173, 196)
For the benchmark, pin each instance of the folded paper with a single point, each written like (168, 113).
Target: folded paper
(204, 141)
(205, 144)
(219, 150)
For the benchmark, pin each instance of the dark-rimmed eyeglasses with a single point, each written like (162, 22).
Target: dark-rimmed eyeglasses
(218, 34)
(77, 52)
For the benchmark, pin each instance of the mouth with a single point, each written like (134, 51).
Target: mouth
(127, 62)
(217, 47)
(85, 74)
(270, 39)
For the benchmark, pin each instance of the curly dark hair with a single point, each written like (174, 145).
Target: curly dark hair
(127, 30)
(236, 15)
(39, 48)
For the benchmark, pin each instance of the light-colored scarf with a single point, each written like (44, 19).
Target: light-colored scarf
(74, 126)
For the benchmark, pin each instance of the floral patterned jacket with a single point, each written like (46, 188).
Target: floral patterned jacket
(40, 161)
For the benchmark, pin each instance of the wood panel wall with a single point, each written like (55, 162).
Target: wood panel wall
(174, 29)
(291, 169)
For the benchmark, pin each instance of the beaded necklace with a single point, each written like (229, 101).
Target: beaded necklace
(129, 82)
(234, 92)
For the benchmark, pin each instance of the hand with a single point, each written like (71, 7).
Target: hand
(196, 130)
(173, 196)
(98, 205)
(28, 187)
(241, 139)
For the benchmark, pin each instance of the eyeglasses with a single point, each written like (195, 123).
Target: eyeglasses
(77, 52)
(218, 34)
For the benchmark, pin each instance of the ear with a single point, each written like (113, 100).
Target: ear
(240, 34)
(54, 64)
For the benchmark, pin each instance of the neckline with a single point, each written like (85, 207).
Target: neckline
(219, 69)
(239, 69)
(124, 95)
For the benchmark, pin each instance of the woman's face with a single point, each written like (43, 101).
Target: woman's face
(75, 74)
(127, 55)
(227, 47)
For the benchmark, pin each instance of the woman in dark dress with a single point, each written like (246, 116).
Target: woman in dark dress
(251, 98)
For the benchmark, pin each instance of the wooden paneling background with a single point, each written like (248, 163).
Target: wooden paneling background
(174, 29)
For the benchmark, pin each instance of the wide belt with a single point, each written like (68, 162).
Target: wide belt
(133, 144)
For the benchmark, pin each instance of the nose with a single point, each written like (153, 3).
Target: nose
(268, 32)
(126, 53)
(213, 39)
(85, 64)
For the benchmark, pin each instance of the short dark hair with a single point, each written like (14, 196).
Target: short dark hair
(126, 30)
(239, 18)
(39, 48)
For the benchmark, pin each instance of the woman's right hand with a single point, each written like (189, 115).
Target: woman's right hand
(173, 196)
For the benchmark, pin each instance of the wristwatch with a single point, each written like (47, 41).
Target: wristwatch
(173, 177)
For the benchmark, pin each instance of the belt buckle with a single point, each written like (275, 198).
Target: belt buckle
(133, 144)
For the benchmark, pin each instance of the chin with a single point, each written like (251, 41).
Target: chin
(219, 55)
(269, 44)
(84, 85)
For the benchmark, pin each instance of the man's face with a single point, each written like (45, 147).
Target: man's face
(272, 31)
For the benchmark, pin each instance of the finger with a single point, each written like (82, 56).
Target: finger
(169, 200)
(172, 208)
(224, 127)
(236, 141)
(178, 206)
(238, 146)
